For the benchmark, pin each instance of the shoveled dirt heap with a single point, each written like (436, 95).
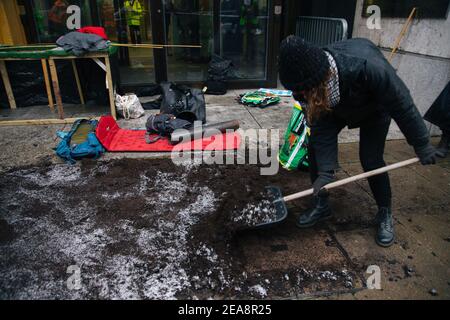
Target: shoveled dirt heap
(151, 229)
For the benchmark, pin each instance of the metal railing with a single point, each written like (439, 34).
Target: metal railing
(321, 31)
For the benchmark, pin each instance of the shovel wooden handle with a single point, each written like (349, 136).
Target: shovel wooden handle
(341, 182)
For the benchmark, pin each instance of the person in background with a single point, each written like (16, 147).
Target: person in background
(108, 20)
(168, 10)
(186, 15)
(249, 27)
(134, 14)
(350, 83)
(57, 17)
(439, 115)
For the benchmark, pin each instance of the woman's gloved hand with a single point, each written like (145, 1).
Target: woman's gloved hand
(426, 154)
(323, 179)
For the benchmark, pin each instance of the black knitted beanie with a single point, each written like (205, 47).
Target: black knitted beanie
(301, 65)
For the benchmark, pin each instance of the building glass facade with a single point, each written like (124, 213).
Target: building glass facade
(235, 29)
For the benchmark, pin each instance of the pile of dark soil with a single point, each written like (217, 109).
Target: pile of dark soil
(151, 229)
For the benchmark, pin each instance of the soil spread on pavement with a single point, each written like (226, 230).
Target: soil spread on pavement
(151, 229)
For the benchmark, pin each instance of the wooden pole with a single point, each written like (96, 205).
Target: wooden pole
(48, 87)
(7, 83)
(149, 46)
(179, 46)
(77, 79)
(154, 46)
(402, 33)
(48, 46)
(341, 182)
(112, 104)
(40, 121)
(56, 89)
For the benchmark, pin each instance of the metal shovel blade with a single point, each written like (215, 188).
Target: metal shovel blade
(280, 207)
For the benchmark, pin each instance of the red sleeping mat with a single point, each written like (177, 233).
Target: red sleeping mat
(115, 139)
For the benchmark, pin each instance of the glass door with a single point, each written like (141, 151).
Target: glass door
(129, 22)
(244, 26)
(243, 31)
(188, 22)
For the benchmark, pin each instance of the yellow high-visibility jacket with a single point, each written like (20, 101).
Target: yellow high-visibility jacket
(134, 12)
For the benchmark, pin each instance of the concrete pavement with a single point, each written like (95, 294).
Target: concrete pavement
(418, 262)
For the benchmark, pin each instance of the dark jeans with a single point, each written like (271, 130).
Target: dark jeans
(371, 148)
(135, 32)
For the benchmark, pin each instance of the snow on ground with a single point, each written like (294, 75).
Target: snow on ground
(47, 237)
(58, 175)
(130, 233)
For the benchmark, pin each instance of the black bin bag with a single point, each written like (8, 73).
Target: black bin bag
(219, 71)
(183, 102)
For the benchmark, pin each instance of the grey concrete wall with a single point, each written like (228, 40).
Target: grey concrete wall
(424, 59)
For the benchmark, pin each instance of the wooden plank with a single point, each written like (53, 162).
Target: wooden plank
(110, 88)
(40, 46)
(56, 90)
(77, 79)
(143, 46)
(42, 121)
(20, 59)
(99, 63)
(85, 56)
(48, 87)
(154, 46)
(8, 88)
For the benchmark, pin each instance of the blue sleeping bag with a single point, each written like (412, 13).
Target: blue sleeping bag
(80, 142)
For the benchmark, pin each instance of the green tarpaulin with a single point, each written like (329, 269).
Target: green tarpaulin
(40, 52)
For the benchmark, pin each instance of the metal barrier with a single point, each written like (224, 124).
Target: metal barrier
(321, 31)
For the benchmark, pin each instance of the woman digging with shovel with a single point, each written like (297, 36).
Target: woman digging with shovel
(350, 83)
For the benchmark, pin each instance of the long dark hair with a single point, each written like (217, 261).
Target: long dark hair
(318, 101)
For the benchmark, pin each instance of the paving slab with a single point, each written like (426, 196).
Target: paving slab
(428, 271)
(438, 175)
(26, 145)
(231, 112)
(297, 255)
(280, 250)
(44, 112)
(272, 117)
(349, 153)
(429, 228)
(400, 149)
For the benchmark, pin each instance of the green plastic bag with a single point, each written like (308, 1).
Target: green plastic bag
(258, 99)
(294, 153)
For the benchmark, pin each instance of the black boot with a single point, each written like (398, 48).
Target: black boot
(321, 211)
(443, 147)
(385, 229)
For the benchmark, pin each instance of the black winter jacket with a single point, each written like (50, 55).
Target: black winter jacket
(439, 112)
(369, 89)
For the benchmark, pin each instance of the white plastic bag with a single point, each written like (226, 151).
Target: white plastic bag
(129, 105)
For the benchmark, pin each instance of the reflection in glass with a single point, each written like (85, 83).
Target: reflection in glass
(128, 21)
(243, 31)
(188, 22)
(50, 17)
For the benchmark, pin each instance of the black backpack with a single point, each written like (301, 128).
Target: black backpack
(164, 125)
(183, 102)
(219, 71)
